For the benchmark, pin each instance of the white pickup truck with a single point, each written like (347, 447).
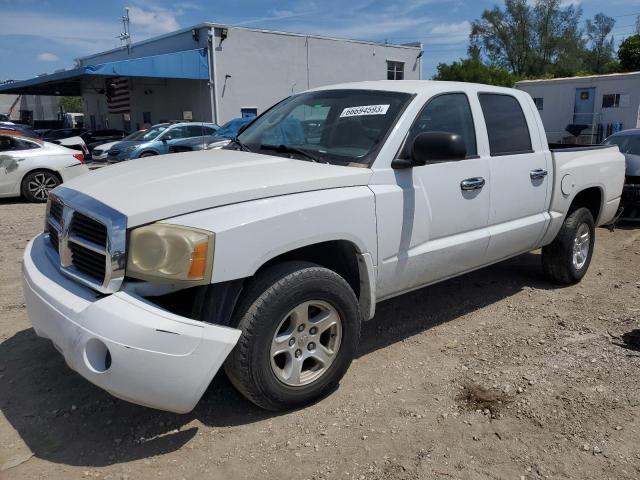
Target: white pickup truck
(266, 256)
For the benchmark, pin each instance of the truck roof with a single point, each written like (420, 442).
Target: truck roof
(418, 86)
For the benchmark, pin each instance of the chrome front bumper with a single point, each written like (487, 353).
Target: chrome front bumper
(122, 343)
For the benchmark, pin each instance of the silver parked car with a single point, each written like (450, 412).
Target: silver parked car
(628, 141)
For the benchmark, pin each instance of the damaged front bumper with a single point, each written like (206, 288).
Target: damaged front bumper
(122, 343)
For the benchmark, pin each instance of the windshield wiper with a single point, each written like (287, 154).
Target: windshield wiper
(290, 149)
(242, 146)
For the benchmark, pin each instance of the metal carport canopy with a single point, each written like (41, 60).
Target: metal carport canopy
(188, 64)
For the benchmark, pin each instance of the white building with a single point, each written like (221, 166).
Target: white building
(213, 72)
(602, 104)
(30, 108)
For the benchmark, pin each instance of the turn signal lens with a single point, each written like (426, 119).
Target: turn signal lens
(170, 252)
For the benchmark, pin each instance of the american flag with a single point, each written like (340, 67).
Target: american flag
(118, 95)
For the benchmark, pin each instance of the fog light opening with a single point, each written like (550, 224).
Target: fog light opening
(97, 356)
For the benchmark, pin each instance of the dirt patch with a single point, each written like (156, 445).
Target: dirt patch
(485, 399)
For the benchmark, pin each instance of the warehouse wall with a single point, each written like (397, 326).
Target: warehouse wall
(173, 42)
(164, 99)
(559, 100)
(257, 69)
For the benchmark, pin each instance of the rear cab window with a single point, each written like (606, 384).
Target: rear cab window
(506, 124)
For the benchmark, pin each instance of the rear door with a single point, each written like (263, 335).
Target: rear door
(519, 165)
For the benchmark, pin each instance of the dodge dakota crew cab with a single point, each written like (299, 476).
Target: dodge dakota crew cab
(266, 256)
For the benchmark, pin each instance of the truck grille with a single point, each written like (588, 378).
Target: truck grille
(54, 239)
(89, 229)
(56, 211)
(87, 261)
(88, 239)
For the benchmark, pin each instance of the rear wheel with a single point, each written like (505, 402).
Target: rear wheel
(300, 329)
(566, 260)
(37, 185)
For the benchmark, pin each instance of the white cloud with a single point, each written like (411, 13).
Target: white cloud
(47, 57)
(152, 21)
(454, 29)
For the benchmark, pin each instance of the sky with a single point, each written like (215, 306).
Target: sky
(41, 36)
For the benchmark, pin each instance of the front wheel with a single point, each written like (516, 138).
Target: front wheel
(300, 330)
(566, 260)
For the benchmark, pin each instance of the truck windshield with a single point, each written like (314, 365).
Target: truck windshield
(328, 126)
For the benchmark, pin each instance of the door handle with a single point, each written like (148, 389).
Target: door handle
(538, 173)
(475, 183)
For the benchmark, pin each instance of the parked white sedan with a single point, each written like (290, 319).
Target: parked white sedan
(31, 167)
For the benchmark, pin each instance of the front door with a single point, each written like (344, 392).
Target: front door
(584, 106)
(433, 225)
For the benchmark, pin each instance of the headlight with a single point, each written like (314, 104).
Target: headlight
(130, 149)
(170, 253)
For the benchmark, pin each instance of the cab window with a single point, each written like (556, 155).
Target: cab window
(445, 113)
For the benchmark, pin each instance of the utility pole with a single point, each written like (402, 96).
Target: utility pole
(125, 37)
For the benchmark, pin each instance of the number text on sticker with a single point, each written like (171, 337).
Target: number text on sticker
(364, 110)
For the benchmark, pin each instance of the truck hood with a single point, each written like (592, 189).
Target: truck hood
(154, 188)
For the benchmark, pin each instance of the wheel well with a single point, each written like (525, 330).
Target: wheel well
(147, 152)
(337, 255)
(590, 198)
(216, 302)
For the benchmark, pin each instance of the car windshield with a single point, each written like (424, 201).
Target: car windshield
(331, 126)
(153, 132)
(135, 135)
(230, 129)
(626, 143)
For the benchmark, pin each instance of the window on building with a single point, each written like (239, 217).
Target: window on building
(248, 112)
(395, 70)
(539, 101)
(611, 100)
(146, 118)
(506, 124)
(445, 113)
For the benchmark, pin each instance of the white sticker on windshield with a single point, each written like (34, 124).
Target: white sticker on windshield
(364, 110)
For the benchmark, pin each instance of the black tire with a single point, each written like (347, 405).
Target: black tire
(36, 185)
(148, 154)
(260, 311)
(558, 257)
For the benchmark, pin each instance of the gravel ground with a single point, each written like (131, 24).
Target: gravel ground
(496, 374)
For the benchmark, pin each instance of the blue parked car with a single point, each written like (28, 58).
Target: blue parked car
(158, 139)
(221, 138)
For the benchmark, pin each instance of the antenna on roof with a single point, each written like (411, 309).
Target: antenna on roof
(125, 37)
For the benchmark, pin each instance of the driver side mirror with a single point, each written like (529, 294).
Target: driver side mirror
(432, 147)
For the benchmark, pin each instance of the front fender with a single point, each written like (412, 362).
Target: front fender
(249, 234)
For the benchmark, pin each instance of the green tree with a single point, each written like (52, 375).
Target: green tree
(71, 104)
(529, 40)
(473, 70)
(629, 53)
(600, 52)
